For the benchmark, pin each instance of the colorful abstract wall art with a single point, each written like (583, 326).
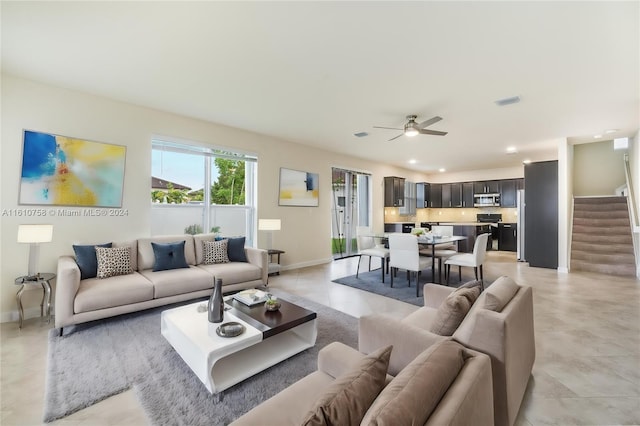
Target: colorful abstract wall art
(63, 171)
(298, 188)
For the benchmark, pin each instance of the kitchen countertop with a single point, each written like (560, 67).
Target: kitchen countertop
(494, 224)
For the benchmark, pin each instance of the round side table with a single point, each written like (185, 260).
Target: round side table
(42, 279)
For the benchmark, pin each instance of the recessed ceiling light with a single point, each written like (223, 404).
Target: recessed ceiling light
(413, 161)
(442, 170)
(526, 161)
(609, 131)
(511, 150)
(597, 136)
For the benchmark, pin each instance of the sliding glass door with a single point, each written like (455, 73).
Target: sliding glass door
(351, 208)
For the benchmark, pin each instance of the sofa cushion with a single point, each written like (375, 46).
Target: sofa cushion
(453, 309)
(178, 281)
(234, 272)
(169, 256)
(199, 248)
(235, 249)
(94, 293)
(500, 293)
(146, 258)
(113, 261)
(214, 252)
(87, 260)
(348, 398)
(415, 392)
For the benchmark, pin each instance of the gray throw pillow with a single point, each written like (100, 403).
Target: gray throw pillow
(453, 309)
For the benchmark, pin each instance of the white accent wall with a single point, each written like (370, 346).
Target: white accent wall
(306, 231)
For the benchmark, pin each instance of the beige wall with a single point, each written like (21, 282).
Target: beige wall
(306, 231)
(597, 169)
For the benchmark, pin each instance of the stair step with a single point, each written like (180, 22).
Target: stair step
(600, 207)
(600, 200)
(601, 238)
(602, 222)
(605, 230)
(604, 258)
(619, 270)
(601, 214)
(599, 248)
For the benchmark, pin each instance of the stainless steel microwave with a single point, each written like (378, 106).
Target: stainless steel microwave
(486, 200)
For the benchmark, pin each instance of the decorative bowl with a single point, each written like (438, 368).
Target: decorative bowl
(272, 305)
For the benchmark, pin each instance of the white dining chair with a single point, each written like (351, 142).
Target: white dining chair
(403, 254)
(366, 245)
(472, 260)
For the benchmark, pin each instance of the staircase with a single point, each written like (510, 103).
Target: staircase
(602, 240)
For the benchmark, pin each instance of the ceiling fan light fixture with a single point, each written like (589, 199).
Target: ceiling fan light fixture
(410, 131)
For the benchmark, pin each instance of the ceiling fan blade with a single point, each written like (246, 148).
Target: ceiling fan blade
(392, 128)
(432, 132)
(429, 122)
(401, 134)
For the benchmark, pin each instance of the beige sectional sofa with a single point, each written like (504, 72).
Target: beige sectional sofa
(81, 300)
(445, 384)
(499, 324)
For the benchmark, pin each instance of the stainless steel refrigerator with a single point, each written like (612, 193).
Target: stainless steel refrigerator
(520, 233)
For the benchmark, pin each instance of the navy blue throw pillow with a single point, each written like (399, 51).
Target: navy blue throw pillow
(235, 250)
(169, 256)
(87, 260)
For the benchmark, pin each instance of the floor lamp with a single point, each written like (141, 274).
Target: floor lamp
(269, 225)
(34, 235)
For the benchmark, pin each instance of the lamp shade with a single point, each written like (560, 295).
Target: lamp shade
(35, 233)
(269, 224)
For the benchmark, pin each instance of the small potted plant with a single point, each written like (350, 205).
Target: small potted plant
(272, 303)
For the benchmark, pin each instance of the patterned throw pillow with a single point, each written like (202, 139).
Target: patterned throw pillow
(214, 252)
(113, 261)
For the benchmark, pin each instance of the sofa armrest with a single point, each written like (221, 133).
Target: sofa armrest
(337, 358)
(376, 331)
(259, 258)
(67, 285)
(434, 294)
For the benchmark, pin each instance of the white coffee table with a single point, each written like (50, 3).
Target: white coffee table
(221, 362)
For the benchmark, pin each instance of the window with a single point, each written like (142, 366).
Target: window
(179, 175)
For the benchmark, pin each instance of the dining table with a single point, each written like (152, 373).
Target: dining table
(429, 241)
(433, 241)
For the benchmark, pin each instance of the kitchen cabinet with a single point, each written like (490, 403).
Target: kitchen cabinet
(456, 194)
(409, 207)
(508, 192)
(445, 191)
(393, 191)
(467, 194)
(519, 183)
(422, 195)
(435, 195)
(486, 187)
(507, 236)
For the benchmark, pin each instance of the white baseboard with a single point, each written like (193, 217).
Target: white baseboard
(13, 316)
(306, 264)
(563, 270)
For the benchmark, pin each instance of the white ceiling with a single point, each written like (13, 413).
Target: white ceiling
(318, 72)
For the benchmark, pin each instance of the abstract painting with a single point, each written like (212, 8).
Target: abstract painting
(298, 188)
(63, 171)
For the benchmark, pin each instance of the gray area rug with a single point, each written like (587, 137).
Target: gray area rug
(372, 281)
(97, 360)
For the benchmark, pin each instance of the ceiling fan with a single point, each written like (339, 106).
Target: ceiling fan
(412, 128)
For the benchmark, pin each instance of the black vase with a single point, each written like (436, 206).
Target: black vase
(216, 304)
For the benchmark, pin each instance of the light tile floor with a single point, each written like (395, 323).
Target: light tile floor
(587, 368)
